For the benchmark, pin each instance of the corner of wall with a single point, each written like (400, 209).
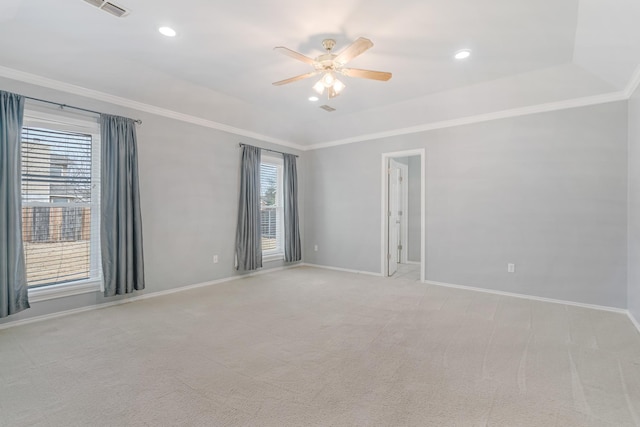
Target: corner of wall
(635, 321)
(633, 203)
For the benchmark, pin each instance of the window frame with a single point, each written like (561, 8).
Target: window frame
(278, 252)
(64, 122)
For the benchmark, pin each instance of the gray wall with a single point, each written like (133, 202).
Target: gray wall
(546, 191)
(189, 179)
(634, 206)
(342, 207)
(414, 209)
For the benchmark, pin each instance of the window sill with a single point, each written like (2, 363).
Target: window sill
(272, 257)
(62, 290)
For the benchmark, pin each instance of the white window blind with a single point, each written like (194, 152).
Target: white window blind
(60, 205)
(271, 205)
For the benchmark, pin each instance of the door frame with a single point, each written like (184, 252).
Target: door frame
(394, 207)
(384, 237)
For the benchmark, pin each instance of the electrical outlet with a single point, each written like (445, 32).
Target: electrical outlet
(511, 268)
(315, 248)
(215, 259)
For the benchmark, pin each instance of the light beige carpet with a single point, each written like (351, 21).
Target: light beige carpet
(309, 347)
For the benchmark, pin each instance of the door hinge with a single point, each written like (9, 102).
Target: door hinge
(388, 256)
(399, 213)
(400, 178)
(399, 247)
(389, 213)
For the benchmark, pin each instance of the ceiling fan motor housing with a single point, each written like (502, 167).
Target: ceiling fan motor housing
(325, 62)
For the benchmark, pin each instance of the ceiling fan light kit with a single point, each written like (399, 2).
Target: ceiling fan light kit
(319, 87)
(338, 86)
(329, 64)
(328, 79)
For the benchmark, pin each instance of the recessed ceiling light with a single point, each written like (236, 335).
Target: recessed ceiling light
(167, 31)
(462, 54)
(313, 98)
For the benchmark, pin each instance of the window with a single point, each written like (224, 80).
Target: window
(271, 215)
(60, 204)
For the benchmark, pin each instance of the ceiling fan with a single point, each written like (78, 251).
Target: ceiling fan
(330, 64)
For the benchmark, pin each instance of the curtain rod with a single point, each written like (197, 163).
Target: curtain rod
(266, 149)
(138, 121)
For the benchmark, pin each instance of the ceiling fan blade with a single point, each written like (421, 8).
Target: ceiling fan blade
(354, 49)
(295, 55)
(366, 74)
(296, 78)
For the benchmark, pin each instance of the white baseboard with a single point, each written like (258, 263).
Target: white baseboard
(57, 314)
(412, 262)
(346, 270)
(529, 297)
(34, 319)
(635, 321)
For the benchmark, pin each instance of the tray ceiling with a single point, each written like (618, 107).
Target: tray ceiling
(221, 64)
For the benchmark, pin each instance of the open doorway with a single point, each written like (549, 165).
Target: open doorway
(403, 207)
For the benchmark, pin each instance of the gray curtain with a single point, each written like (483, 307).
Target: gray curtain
(121, 221)
(13, 276)
(248, 231)
(292, 248)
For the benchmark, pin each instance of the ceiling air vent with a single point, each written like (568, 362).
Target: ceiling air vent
(109, 7)
(327, 108)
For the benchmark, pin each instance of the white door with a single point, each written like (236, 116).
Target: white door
(394, 250)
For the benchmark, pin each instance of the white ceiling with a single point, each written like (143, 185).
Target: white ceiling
(221, 65)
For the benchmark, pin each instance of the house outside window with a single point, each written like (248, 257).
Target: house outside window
(271, 207)
(60, 204)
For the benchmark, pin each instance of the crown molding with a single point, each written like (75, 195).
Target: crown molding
(48, 83)
(504, 114)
